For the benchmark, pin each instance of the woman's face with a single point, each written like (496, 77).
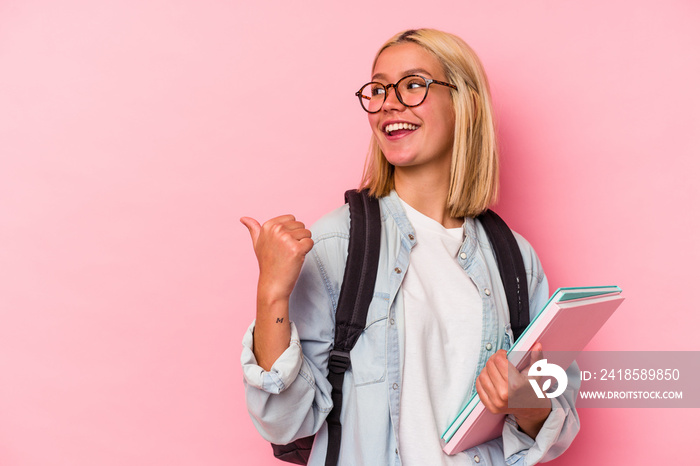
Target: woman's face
(429, 139)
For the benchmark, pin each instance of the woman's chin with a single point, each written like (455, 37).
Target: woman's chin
(400, 159)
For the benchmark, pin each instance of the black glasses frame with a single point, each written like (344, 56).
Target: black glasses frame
(386, 87)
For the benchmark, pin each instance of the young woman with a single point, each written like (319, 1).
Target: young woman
(438, 323)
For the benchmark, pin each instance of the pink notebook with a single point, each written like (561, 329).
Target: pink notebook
(566, 324)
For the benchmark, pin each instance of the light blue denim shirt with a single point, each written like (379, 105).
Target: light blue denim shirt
(293, 399)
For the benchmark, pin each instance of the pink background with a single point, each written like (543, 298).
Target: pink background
(134, 134)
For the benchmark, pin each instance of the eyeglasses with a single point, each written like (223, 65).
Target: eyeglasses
(411, 91)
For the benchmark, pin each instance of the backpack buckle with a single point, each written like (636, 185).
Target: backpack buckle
(339, 362)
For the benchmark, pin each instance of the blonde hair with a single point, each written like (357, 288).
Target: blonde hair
(474, 169)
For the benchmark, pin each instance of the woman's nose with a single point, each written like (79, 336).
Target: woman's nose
(392, 101)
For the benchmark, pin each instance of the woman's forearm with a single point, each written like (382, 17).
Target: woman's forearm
(272, 329)
(280, 245)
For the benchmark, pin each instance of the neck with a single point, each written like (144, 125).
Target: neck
(426, 191)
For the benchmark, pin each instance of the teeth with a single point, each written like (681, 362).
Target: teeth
(397, 126)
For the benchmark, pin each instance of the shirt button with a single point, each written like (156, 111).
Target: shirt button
(411, 237)
(476, 458)
(463, 255)
(397, 270)
(396, 451)
(395, 386)
(391, 321)
(488, 346)
(487, 292)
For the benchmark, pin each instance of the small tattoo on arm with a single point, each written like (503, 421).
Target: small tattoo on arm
(279, 320)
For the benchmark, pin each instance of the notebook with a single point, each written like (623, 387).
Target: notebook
(569, 320)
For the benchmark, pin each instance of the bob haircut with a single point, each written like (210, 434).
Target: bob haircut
(474, 169)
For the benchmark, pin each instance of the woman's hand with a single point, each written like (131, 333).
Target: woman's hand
(280, 246)
(500, 379)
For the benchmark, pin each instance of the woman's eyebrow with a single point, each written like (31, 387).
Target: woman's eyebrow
(405, 73)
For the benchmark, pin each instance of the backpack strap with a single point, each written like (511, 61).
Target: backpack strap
(297, 452)
(355, 296)
(511, 268)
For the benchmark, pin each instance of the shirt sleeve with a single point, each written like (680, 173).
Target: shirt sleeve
(283, 371)
(293, 398)
(555, 436)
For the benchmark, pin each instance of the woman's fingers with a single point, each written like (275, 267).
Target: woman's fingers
(300, 234)
(279, 238)
(287, 231)
(280, 245)
(307, 244)
(253, 228)
(282, 219)
(503, 389)
(497, 369)
(293, 225)
(535, 355)
(493, 381)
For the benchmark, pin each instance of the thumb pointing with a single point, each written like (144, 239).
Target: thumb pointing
(253, 228)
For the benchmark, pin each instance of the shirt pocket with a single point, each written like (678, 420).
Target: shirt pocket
(368, 357)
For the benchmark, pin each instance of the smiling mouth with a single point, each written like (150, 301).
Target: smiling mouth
(398, 128)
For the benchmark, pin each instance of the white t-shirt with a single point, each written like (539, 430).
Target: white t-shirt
(443, 321)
